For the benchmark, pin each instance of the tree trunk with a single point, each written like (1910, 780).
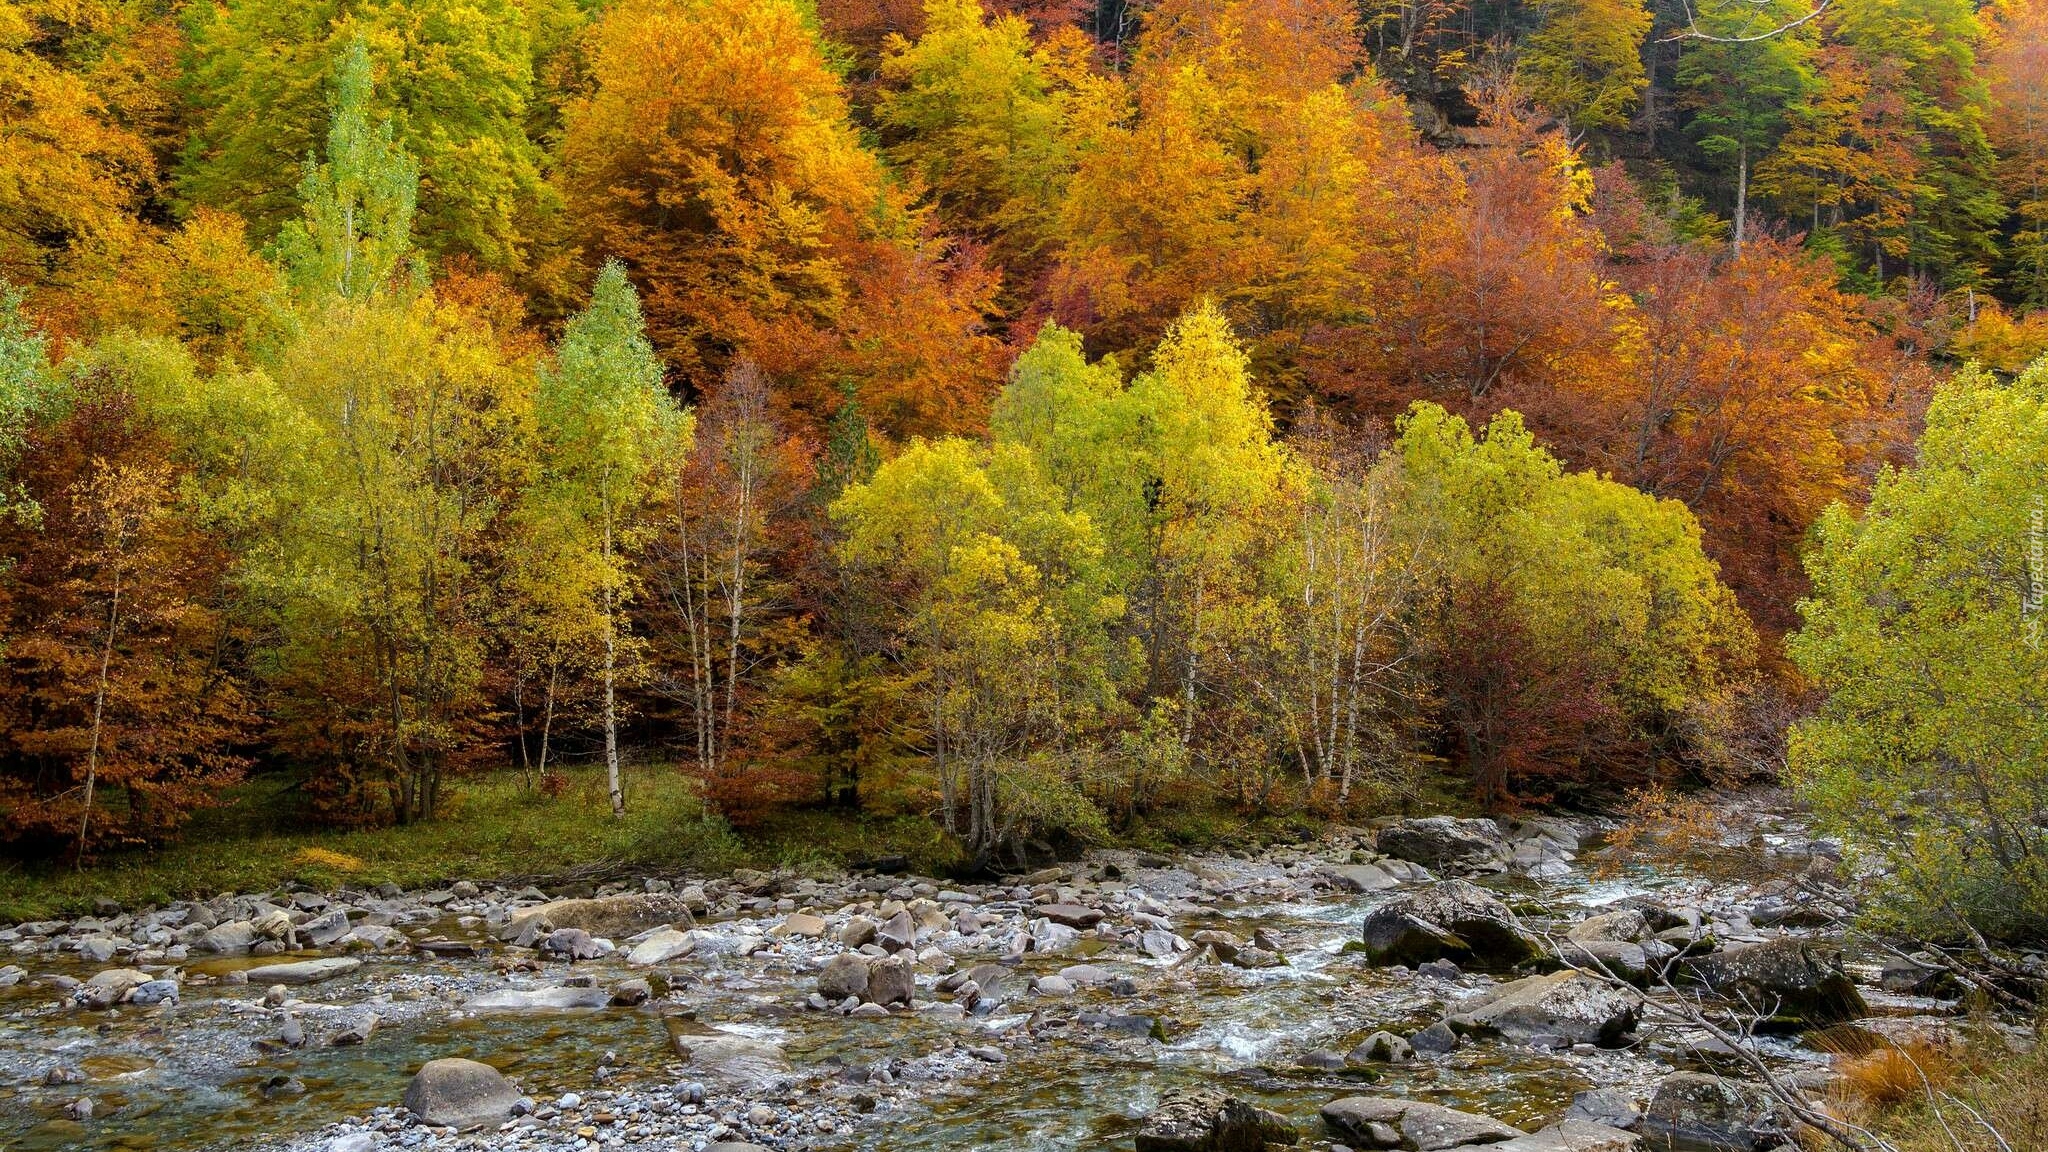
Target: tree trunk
(99, 708)
(611, 658)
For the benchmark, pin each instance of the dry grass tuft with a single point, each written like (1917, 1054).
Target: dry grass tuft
(326, 859)
(1889, 1075)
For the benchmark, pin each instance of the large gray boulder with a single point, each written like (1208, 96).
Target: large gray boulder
(891, 981)
(230, 939)
(1568, 1006)
(1206, 1120)
(1567, 1136)
(661, 947)
(457, 1093)
(1447, 842)
(844, 975)
(1393, 1122)
(615, 917)
(1361, 877)
(1695, 1112)
(1450, 920)
(1793, 982)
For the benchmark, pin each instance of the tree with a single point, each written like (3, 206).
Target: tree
(1926, 629)
(1578, 623)
(2016, 64)
(454, 83)
(1584, 63)
(606, 426)
(1003, 613)
(119, 717)
(1738, 89)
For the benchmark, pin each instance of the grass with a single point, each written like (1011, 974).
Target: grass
(494, 828)
(1977, 1095)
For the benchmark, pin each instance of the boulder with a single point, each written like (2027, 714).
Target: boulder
(1568, 1005)
(858, 931)
(1207, 1120)
(1606, 1106)
(1631, 962)
(1380, 1048)
(1393, 1122)
(631, 993)
(574, 943)
(304, 971)
(616, 917)
(151, 992)
(357, 1030)
(897, 933)
(1449, 920)
(802, 924)
(891, 981)
(844, 975)
(1361, 877)
(230, 939)
(457, 1093)
(1628, 925)
(1435, 1040)
(1447, 842)
(1695, 1111)
(325, 929)
(1798, 982)
(538, 999)
(1072, 915)
(109, 988)
(663, 946)
(994, 984)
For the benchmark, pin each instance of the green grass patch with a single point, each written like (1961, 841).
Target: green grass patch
(492, 827)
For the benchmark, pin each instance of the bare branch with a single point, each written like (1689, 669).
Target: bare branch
(1693, 31)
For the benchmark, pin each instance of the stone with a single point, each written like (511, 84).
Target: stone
(1446, 842)
(1609, 1106)
(663, 946)
(1439, 970)
(304, 971)
(1799, 981)
(1380, 1048)
(1448, 920)
(108, 988)
(857, 931)
(995, 984)
(1570, 1005)
(897, 933)
(230, 939)
(373, 937)
(1085, 975)
(1058, 987)
(356, 1031)
(458, 1093)
(1620, 958)
(537, 999)
(1693, 1110)
(98, 949)
(1365, 1121)
(574, 943)
(739, 1061)
(616, 917)
(802, 924)
(891, 981)
(1160, 944)
(12, 974)
(1361, 877)
(151, 992)
(1072, 915)
(1207, 1120)
(325, 929)
(844, 975)
(1628, 925)
(1568, 1136)
(1435, 1040)
(631, 993)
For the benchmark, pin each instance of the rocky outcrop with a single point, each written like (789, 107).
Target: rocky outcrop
(1450, 920)
(457, 1093)
(1795, 983)
(1694, 1111)
(1563, 1008)
(1206, 1120)
(1393, 1122)
(1447, 842)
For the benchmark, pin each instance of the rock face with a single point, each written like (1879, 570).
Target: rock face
(1566, 1005)
(456, 1093)
(1205, 1120)
(1694, 1111)
(1449, 920)
(1447, 842)
(1805, 983)
(1391, 1122)
(304, 971)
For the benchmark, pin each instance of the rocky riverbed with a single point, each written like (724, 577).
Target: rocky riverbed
(1396, 986)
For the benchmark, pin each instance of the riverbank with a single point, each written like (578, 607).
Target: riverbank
(498, 828)
(1079, 1006)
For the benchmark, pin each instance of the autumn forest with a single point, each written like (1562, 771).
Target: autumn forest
(1032, 415)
